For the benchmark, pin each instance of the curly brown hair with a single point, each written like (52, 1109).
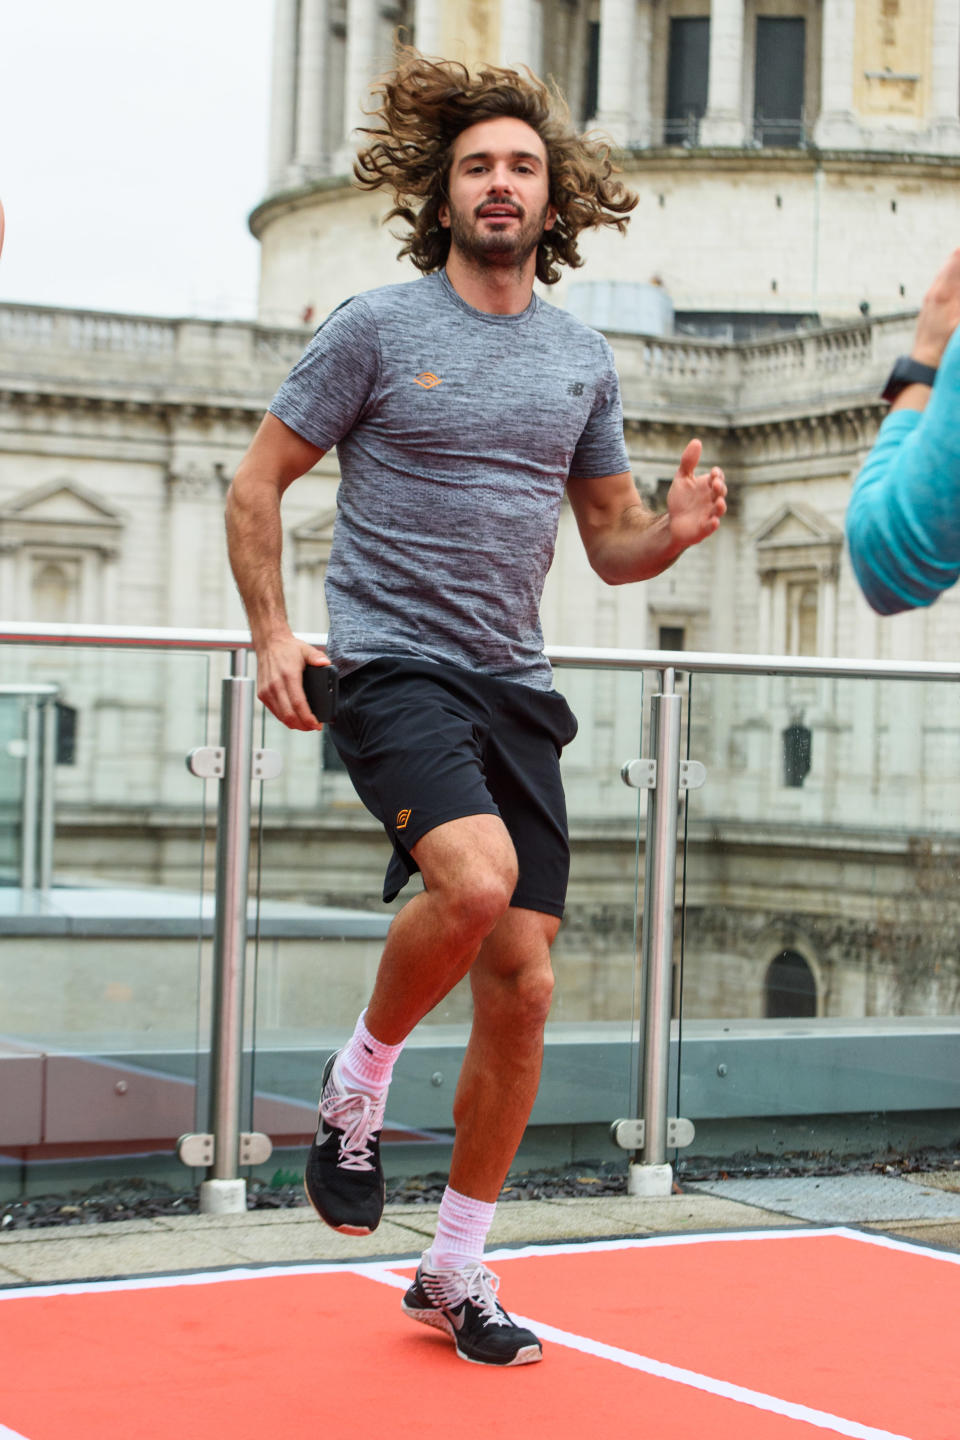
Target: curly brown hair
(427, 103)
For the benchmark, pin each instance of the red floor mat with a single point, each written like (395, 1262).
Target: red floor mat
(858, 1332)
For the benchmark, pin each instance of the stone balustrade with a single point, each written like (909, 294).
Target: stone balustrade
(783, 373)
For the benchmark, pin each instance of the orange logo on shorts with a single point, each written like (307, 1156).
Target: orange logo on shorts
(402, 818)
(427, 380)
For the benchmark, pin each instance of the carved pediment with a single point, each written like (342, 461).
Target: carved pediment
(797, 538)
(796, 524)
(61, 513)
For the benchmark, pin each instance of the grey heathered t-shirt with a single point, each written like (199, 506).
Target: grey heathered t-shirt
(456, 432)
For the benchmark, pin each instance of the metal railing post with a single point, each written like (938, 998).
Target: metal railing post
(652, 1175)
(47, 808)
(30, 799)
(223, 1191)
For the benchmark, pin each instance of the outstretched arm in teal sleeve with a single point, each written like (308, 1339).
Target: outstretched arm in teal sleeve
(903, 521)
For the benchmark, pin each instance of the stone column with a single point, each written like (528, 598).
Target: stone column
(945, 76)
(283, 93)
(837, 126)
(827, 609)
(427, 18)
(361, 69)
(615, 90)
(723, 122)
(641, 117)
(521, 33)
(311, 156)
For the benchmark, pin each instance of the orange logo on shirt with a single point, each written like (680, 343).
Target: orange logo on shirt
(427, 379)
(402, 818)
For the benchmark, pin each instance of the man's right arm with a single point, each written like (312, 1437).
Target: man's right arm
(277, 456)
(903, 520)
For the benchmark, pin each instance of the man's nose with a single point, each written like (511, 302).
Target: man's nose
(500, 181)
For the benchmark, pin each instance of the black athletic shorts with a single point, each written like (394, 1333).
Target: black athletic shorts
(426, 743)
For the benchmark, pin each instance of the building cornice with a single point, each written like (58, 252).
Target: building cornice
(763, 160)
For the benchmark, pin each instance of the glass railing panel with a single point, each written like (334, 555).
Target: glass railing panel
(820, 978)
(322, 926)
(101, 970)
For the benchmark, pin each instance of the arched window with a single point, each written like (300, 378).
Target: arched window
(55, 590)
(790, 989)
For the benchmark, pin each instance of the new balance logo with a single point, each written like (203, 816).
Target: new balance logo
(403, 817)
(427, 379)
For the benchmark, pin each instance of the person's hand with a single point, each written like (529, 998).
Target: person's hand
(939, 314)
(695, 503)
(280, 681)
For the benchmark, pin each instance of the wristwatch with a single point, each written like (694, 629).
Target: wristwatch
(907, 371)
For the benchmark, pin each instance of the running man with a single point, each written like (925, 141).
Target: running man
(462, 406)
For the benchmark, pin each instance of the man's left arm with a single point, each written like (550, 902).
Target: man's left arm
(625, 540)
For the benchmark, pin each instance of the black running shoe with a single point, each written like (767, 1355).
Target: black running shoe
(344, 1178)
(464, 1303)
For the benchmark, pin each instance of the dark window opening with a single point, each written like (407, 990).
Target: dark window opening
(790, 989)
(66, 744)
(797, 754)
(687, 71)
(778, 81)
(671, 637)
(591, 98)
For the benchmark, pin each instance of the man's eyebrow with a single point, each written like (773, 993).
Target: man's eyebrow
(514, 155)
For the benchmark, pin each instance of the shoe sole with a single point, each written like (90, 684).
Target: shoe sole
(341, 1229)
(529, 1355)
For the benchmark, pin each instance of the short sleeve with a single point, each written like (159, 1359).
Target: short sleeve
(326, 391)
(601, 449)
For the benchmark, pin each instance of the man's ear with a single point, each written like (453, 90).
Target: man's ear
(551, 219)
(443, 216)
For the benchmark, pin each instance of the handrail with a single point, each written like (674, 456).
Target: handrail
(562, 656)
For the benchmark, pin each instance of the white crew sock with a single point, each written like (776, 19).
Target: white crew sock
(365, 1064)
(462, 1225)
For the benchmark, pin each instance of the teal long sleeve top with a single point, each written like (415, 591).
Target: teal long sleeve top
(903, 520)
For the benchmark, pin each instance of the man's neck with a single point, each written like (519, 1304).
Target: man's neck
(497, 289)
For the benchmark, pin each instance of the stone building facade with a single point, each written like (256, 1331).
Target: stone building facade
(119, 434)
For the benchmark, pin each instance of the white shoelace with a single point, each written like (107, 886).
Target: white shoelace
(480, 1285)
(359, 1117)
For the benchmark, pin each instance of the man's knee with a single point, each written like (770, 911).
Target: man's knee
(471, 865)
(480, 900)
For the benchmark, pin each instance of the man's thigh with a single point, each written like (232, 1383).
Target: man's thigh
(411, 738)
(522, 767)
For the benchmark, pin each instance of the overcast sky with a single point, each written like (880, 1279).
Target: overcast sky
(133, 142)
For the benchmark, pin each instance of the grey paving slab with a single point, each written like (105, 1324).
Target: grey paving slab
(245, 1220)
(937, 1180)
(131, 1255)
(670, 1213)
(10, 1277)
(59, 1234)
(840, 1199)
(926, 1232)
(265, 1245)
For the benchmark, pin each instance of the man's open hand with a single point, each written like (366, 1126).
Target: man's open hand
(695, 503)
(280, 681)
(939, 314)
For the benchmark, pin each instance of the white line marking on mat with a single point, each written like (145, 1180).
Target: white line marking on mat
(659, 1368)
(6, 1434)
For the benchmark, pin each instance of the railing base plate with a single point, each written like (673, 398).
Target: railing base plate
(650, 1180)
(223, 1197)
